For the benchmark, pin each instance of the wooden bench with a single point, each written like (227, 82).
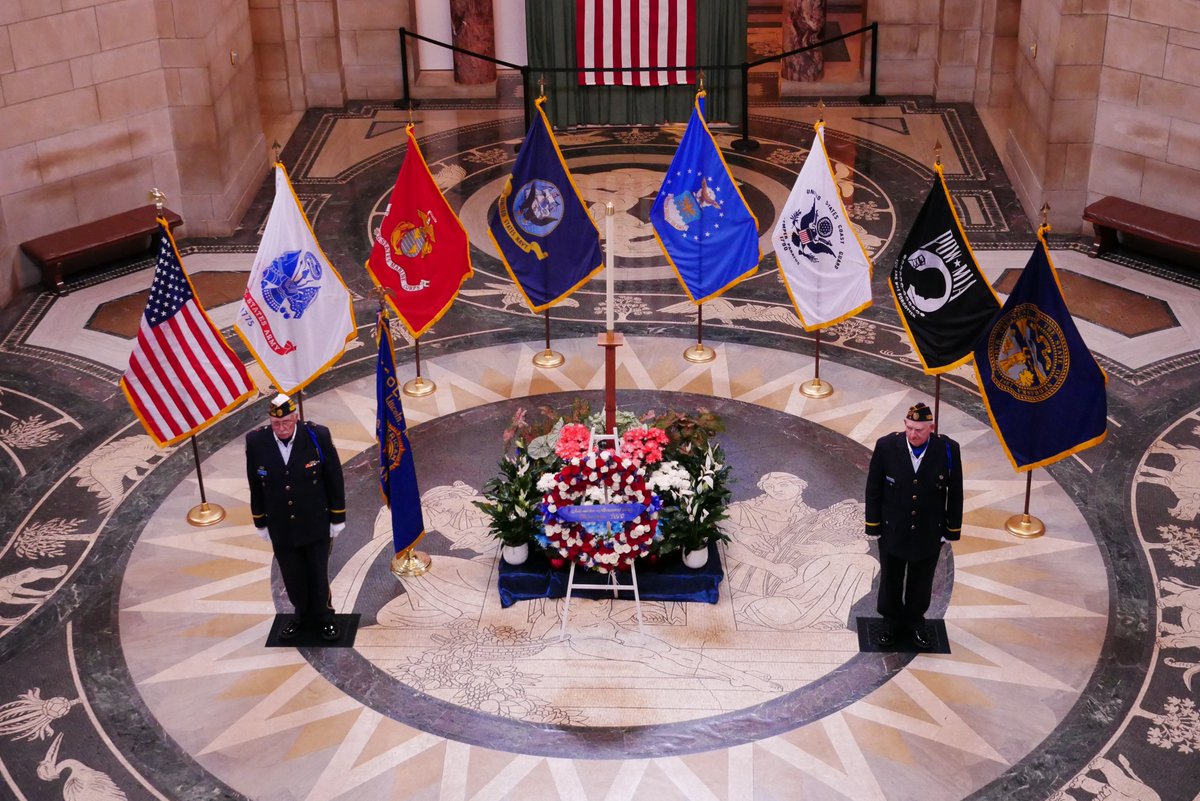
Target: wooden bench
(1108, 215)
(93, 244)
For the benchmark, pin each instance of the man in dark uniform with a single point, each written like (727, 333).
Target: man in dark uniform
(914, 505)
(298, 500)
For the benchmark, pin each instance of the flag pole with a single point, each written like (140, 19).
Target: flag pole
(1024, 525)
(206, 514)
(937, 400)
(419, 386)
(548, 358)
(699, 353)
(816, 388)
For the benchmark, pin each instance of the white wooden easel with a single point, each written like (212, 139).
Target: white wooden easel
(612, 576)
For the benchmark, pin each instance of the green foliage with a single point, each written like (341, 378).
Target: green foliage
(513, 501)
(686, 434)
(691, 518)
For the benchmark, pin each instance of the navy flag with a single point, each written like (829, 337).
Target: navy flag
(700, 218)
(545, 235)
(1043, 390)
(397, 473)
(943, 298)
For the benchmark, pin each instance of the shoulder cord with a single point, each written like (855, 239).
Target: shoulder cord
(321, 456)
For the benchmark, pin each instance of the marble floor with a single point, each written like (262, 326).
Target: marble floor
(132, 645)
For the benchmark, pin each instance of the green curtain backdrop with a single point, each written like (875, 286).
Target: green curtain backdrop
(721, 40)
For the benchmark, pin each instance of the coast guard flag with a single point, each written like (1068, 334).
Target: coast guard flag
(181, 375)
(296, 315)
(825, 268)
(944, 300)
(421, 251)
(700, 218)
(635, 33)
(1043, 390)
(397, 473)
(545, 235)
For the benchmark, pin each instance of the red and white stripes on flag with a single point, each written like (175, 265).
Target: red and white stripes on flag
(635, 33)
(181, 375)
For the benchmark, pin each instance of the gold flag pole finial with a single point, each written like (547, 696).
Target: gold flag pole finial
(820, 111)
(937, 153)
(541, 87)
(700, 81)
(277, 148)
(1045, 226)
(159, 198)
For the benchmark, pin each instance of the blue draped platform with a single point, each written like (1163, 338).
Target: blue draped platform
(668, 580)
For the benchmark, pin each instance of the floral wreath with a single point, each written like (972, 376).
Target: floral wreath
(595, 478)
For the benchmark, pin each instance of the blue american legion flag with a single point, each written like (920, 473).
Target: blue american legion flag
(700, 218)
(397, 472)
(1043, 390)
(546, 237)
(182, 376)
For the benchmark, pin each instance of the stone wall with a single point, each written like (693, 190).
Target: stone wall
(102, 102)
(1147, 137)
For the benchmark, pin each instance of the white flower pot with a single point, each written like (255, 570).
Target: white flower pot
(696, 559)
(515, 554)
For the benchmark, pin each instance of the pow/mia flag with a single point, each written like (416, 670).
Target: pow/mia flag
(943, 299)
(1043, 390)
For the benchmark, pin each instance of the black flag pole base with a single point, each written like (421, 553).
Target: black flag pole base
(699, 353)
(1025, 526)
(419, 387)
(206, 514)
(410, 562)
(816, 388)
(549, 359)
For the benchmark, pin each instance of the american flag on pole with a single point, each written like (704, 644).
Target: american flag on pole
(635, 33)
(181, 375)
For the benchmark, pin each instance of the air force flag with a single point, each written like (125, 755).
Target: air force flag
(544, 233)
(1043, 390)
(296, 315)
(825, 268)
(701, 219)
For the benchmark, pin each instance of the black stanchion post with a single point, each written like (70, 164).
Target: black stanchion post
(405, 100)
(745, 144)
(874, 99)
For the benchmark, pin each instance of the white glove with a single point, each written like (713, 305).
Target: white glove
(335, 529)
(944, 540)
(263, 534)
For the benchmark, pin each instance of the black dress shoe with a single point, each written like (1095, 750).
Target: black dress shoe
(920, 638)
(329, 632)
(289, 630)
(885, 638)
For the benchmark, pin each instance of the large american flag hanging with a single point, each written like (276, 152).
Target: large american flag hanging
(181, 375)
(635, 33)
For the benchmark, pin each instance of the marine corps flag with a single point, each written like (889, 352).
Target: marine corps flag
(296, 315)
(1043, 390)
(825, 268)
(544, 233)
(421, 251)
(700, 218)
(397, 473)
(943, 299)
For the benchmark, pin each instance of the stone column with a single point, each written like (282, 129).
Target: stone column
(803, 24)
(473, 29)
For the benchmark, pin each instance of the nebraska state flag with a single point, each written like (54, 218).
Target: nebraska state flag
(1043, 390)
(421, 253)
(825, 268)
(944, 300)
(296, 314)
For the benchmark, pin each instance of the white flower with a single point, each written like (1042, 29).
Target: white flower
(546, 483)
